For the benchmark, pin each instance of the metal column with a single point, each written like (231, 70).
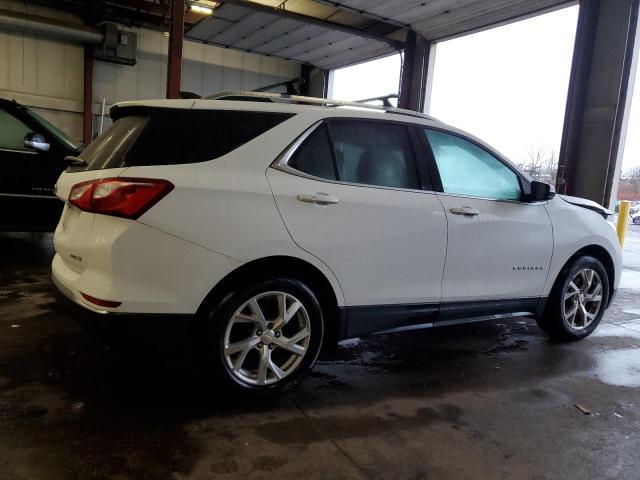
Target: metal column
(174, 61)
(598, 99)
(87, 113)
(417, 67)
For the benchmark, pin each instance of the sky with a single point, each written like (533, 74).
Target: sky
(507, 85)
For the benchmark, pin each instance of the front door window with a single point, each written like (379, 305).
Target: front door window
(12, 132)
(466, 169)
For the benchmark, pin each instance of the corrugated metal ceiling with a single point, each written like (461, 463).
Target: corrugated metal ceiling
(240, 27)
(439, 19)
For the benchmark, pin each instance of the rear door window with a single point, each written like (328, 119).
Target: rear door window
(374, 153)
(314, 156)
(173, 136)
(359, 151)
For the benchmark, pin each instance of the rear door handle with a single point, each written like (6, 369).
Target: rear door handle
(318, 198)
(466, 211)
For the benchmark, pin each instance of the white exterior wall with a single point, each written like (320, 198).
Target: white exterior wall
(47, 74)
(43, 73)
(206, 69)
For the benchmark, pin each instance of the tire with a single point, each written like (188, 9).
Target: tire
(235, 328)
(576, 287)
(636, 220)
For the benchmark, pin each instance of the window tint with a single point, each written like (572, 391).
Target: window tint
(467, 169)
(55, 131)
(314, 156)
(374, 153)
(110, 147)
(173, 136)
(12, 132)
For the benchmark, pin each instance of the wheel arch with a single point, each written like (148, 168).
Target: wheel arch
(600, 253)
(282, 265)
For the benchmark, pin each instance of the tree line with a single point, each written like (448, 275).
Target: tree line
(542, 165)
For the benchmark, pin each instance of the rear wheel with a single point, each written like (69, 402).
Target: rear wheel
(578, 300)
(636, 220)
(264, 339)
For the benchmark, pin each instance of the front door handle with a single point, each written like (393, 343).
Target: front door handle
(466, 211)
(318, 198)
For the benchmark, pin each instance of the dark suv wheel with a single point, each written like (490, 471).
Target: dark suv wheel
(266, 337)
(578, 300)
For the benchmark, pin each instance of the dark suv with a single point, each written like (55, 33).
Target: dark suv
(32, 152)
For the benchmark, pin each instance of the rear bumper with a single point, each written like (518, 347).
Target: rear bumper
(164, 332)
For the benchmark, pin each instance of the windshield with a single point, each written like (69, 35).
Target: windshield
(55, 131)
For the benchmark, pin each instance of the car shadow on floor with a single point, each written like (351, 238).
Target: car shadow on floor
(90, 411)
(48, 345)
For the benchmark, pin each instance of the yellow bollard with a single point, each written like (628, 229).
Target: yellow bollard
(623, 221)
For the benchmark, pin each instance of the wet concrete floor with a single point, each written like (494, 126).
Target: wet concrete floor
(483, 401)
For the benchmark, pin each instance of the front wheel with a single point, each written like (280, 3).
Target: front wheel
(636, 220)
(578, 300)
(265, 338)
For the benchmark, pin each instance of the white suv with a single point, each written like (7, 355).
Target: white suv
(279, 224)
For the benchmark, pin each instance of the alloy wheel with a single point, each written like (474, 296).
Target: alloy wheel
(582, 299)
(267, 338)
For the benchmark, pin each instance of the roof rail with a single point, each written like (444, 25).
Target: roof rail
(290, 84)
(385, 99)
(300, 100)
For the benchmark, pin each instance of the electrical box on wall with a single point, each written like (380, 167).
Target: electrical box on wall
(118, 46)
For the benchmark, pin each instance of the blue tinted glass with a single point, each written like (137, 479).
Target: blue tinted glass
(466, 169)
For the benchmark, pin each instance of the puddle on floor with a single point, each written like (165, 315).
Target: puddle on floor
(630, 279)
(619, 367)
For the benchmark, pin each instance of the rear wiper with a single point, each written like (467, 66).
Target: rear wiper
(75, 161)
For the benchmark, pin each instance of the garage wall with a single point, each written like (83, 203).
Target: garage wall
(47, 74)
(205, 69)
(42, 73)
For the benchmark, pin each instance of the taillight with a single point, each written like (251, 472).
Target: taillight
(119, 197)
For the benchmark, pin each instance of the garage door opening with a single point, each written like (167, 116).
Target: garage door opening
(629, 186)
(375, 78)
(509, 87)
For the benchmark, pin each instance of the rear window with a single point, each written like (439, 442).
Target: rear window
(172, 136)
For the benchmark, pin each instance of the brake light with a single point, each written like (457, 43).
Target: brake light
(119, 197)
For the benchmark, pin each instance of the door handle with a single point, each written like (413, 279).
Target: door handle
(466, 211)
(318, 198)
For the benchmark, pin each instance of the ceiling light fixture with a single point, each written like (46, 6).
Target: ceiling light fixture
(203, 7)
(200, 9)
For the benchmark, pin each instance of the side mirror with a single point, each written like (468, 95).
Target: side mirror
(35, 141)
(541, 191)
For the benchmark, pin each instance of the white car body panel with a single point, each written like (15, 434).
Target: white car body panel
(148, 270)
(374, 239)
(377, 246)
(504, 252)
(575, 228)
(585, 202)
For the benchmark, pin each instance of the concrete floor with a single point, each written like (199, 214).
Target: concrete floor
(471, 402)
